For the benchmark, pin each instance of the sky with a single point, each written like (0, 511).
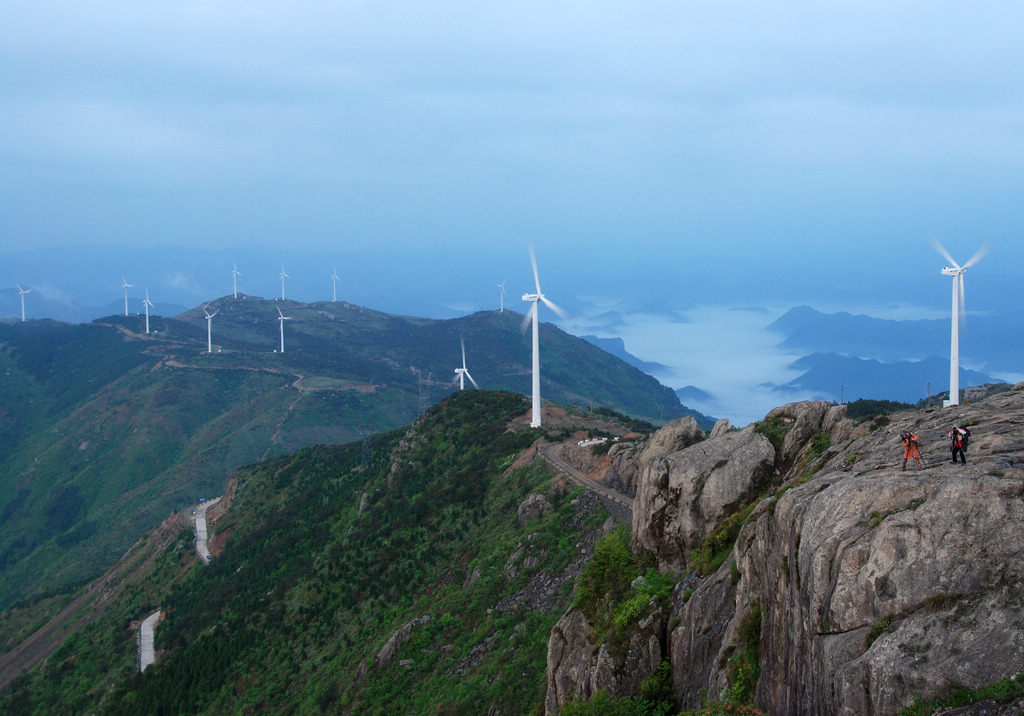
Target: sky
(670, 159)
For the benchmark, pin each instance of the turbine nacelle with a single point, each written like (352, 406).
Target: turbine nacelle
(947, 271)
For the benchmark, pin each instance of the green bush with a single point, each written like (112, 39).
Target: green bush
(716, 548)
(773, 429)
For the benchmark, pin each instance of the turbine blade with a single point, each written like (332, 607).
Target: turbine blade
(472, 381)
(942, 250)
(980, 255)
(279, 312)
(463, 341)
(527, 318)
(556, 309)
(533, 260)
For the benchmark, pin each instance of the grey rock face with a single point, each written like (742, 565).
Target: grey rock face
(682, 496)
(802, 419)
(696, 644)
(577, 666)
(400, 635)
(876, 585)
(534, 506)
(722, 427)
(674, 436)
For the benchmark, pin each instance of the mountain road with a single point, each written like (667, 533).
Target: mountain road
(553, 455)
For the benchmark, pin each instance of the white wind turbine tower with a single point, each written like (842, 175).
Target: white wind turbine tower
(125, 285)
(334, 283)
(209, 329)
(235, 273)
(282, 319)
(462, 372)
(283, 277)
(502, 296)
(957, 272)
(22, 292)
(533, 314)
(146, 304)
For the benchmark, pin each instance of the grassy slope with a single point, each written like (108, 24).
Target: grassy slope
(307, 590)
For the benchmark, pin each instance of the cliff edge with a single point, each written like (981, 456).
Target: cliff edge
(852, 587)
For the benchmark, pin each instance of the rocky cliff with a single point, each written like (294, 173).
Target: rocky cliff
(852, 587)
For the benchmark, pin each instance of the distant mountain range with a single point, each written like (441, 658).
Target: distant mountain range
(617, 347)
(983, 339)
(832, 377)
(865, 357)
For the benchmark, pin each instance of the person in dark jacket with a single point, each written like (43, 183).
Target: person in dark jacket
(958, 438)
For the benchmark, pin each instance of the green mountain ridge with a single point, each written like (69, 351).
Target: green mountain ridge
(105, 429)
(326, 554)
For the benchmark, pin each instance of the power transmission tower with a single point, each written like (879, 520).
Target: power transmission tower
(367, 432)
(424, 386)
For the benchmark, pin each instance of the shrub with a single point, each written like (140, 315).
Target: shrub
(820, 443)
(715, 549)
(773, 429)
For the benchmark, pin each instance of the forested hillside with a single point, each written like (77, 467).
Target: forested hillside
(105, 429)
(326, 554)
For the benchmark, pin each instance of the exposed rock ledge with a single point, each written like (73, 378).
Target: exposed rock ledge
(874, 585)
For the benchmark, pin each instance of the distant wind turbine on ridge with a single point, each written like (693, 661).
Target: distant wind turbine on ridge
(283, 277)
(22, 292)
(282, 319)
(125, 285)
(235, 273)
(533, 314)
(209, 329)
(146, 304)
(334, 283)
(959, 314)
(502, 296)
(462, 372)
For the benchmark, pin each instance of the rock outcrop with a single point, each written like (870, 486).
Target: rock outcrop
(579, 667)
(872, 586)
(397, 638)
(684, 494)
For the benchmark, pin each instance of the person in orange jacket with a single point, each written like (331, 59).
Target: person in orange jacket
(910, 449)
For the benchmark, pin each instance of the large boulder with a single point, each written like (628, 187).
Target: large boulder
(800, 421)
(578, 667)
(681, 497)
(672, 437)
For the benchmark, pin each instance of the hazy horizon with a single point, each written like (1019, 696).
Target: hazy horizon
(662, 157)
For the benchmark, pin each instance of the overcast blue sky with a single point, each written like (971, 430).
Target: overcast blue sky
(652, 151)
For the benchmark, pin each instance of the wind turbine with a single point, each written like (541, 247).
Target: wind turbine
(283, 277)
(959, 313)
(146, 304)
(22, 292)
(533, 313)
(125, 285)
(462, 372)
(502, 296)
(235, 273)
(334, 283)
(282, 320)
(209, 329)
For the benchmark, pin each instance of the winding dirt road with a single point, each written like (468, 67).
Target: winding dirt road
(553, 454)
